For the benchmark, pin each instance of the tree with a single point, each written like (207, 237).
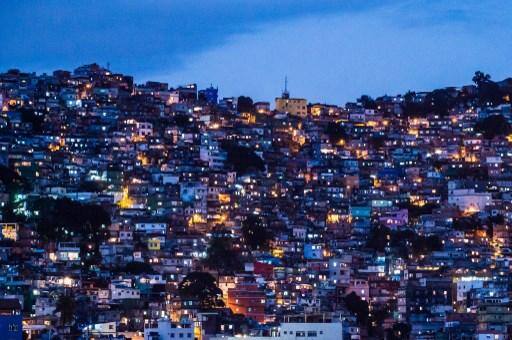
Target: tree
(367, 102)
(245, 104)
(335, 132)
(440, 101)
(182, 120)
(416, 211)
(377, 142)
(492, 126)
(358, 307)
(467, 223)
(13, 182)
(410, 107)
(201, 286)
(480, 78)
(66, 306)
(400, 331)
(93, 186)
(256, 235)
(489, 93)
(243, 159)
(64, 220)
(221, 256)
(30, 116)
(138, 268)
(379, 238)
(407, 242)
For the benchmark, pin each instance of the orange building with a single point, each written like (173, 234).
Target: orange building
(247, 299)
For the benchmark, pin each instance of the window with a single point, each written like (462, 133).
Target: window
(311, 333)
(300, 334)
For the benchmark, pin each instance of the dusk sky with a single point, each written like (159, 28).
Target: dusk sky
(331, 51)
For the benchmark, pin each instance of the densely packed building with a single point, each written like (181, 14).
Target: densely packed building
(147, 211)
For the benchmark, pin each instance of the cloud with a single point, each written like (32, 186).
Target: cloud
(137, 36)
(337, 58)
(331, 50)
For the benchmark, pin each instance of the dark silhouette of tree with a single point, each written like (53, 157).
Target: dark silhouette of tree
(221, 256)
(410, 107)
(467, 223)
(378, 238)
(202, 287)
(489, 92)
(440, 102)
(416, 211)
(138, 268)
(377, 142)
(182, 120)
(481, 77)
(493, 221)
(66, 305)
(30, 116)
(367, 102)
(256, 235)
(243, 159)
(65, 220)
(335, 132)
(492, 126)
(92, 186)
(358, 307)
(399, 331)
(407, 242)
(245, 104)
(12, 181)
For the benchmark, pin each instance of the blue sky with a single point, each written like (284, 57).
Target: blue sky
(332, 51)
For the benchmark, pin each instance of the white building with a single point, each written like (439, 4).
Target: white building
(101, 329)
(164, 329)
(339, 269)
(144, 129)
(122, 292)
(469, 200)
(299, 330)
(68, 251)
(151, 228)
(465, 283)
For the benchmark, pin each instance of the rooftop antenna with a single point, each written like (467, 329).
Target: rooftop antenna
(286, 94)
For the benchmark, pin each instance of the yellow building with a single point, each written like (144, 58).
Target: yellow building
(292, 106)
(154, 243)
(9, 231)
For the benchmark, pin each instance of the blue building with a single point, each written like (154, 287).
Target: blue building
(209, 95)
(10, 319)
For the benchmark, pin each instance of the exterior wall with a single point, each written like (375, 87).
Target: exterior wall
(11, 327)
(122, 293)
(293, 106)
(249, 300)
(166, 330)
(469, 200)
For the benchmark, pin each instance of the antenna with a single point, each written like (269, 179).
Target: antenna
(286, 94)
